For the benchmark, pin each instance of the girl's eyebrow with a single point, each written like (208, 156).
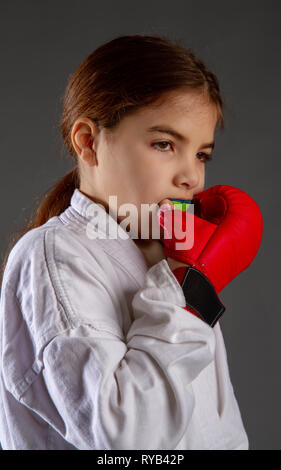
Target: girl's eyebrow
(177, 135)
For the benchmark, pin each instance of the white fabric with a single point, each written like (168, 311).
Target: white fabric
(98, 353)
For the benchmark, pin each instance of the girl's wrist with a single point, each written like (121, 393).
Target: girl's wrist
(174, 264)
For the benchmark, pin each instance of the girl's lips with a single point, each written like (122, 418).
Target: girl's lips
(165, 202)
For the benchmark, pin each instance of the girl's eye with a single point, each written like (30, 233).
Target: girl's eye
(206, 157)
(162, 142)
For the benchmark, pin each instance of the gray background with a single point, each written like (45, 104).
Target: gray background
(43, 42)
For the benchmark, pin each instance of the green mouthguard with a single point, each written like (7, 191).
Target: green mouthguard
(181, 204)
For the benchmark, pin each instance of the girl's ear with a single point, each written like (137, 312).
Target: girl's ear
(83, 142)
(81, 137)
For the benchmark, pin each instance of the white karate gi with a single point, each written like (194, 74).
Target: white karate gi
(97, 351)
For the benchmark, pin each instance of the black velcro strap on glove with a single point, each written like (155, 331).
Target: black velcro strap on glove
(201, 296)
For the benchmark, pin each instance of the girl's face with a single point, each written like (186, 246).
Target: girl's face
(142, 162)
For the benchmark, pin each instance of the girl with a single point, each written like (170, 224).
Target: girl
(97, 351)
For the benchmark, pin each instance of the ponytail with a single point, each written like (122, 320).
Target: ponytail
(52, 203)
(56, 200)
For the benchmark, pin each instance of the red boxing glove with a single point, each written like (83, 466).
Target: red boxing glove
(228, 230)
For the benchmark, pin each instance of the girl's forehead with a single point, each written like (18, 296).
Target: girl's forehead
(183, 111)
(181, 105)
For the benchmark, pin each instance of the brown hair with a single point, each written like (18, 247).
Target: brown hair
(118, 78)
